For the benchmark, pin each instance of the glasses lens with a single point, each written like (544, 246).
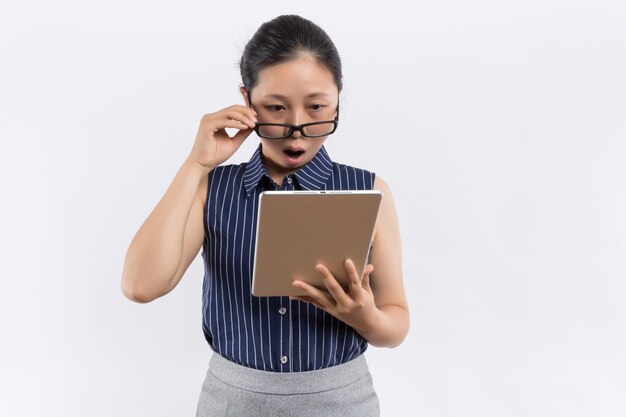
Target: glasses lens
(319, 129)
(273, 131)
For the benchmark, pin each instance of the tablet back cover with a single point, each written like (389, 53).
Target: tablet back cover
(296, 230)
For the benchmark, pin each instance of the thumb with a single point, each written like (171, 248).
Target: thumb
(241, 136)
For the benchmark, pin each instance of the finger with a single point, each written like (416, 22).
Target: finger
(245, 121)
(354, 281)
(334, 288)
(306, 299)
(321, 297)
(243, 116)
(237, 116)
(241, 136)
(231, 123)
(224, 123)
(366, 276)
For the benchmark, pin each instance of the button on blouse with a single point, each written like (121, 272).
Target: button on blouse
(244, 328)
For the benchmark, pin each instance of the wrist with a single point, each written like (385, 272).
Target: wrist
(370, 324)
(197, 168)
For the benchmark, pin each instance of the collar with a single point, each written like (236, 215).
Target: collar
(312, 176)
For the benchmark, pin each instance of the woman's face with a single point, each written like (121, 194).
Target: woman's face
(296, 92)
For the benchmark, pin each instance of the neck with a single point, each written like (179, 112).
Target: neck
(277, 172)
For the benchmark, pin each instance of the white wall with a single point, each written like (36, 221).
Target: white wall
(498, 125)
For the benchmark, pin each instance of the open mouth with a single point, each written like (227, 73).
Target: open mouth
(292, 153)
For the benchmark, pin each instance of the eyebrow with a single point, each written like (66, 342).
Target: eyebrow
(278, 96)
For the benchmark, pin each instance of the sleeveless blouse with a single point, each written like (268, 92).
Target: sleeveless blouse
(267, 333)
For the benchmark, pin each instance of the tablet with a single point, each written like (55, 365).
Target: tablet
(298, 229)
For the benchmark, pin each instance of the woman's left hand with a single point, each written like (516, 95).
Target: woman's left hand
(355, 308)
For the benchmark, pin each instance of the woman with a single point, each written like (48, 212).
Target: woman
(292, 355)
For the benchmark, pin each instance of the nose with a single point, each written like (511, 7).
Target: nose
(296, 117)
(296, 120)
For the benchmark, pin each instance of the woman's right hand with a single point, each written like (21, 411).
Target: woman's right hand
(213, 146)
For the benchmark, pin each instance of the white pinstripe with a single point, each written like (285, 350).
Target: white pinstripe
(230, 221)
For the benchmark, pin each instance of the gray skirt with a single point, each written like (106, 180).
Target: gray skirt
(230, 389)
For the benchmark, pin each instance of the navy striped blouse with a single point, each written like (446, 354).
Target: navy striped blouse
(268, 333)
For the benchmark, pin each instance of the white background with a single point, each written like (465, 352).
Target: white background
(498, 125)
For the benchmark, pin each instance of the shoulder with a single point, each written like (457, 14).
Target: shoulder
(339, 165)
(228, 169)
(351, 172)
(225, 174)
(381, 185)
(387, 213)
(229, 174)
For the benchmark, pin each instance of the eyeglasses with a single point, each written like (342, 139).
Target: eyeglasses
(285, 130)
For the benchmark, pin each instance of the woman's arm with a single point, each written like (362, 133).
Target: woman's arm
(169, 239)
(375, 307)
(390, 325)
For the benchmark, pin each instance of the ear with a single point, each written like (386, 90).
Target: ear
(244, 94)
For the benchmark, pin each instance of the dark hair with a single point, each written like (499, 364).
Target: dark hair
(284, 38)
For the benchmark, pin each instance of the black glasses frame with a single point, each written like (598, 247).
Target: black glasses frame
(291, 127)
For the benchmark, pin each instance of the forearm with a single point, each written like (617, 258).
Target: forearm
(155, 252)
(387, 327)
